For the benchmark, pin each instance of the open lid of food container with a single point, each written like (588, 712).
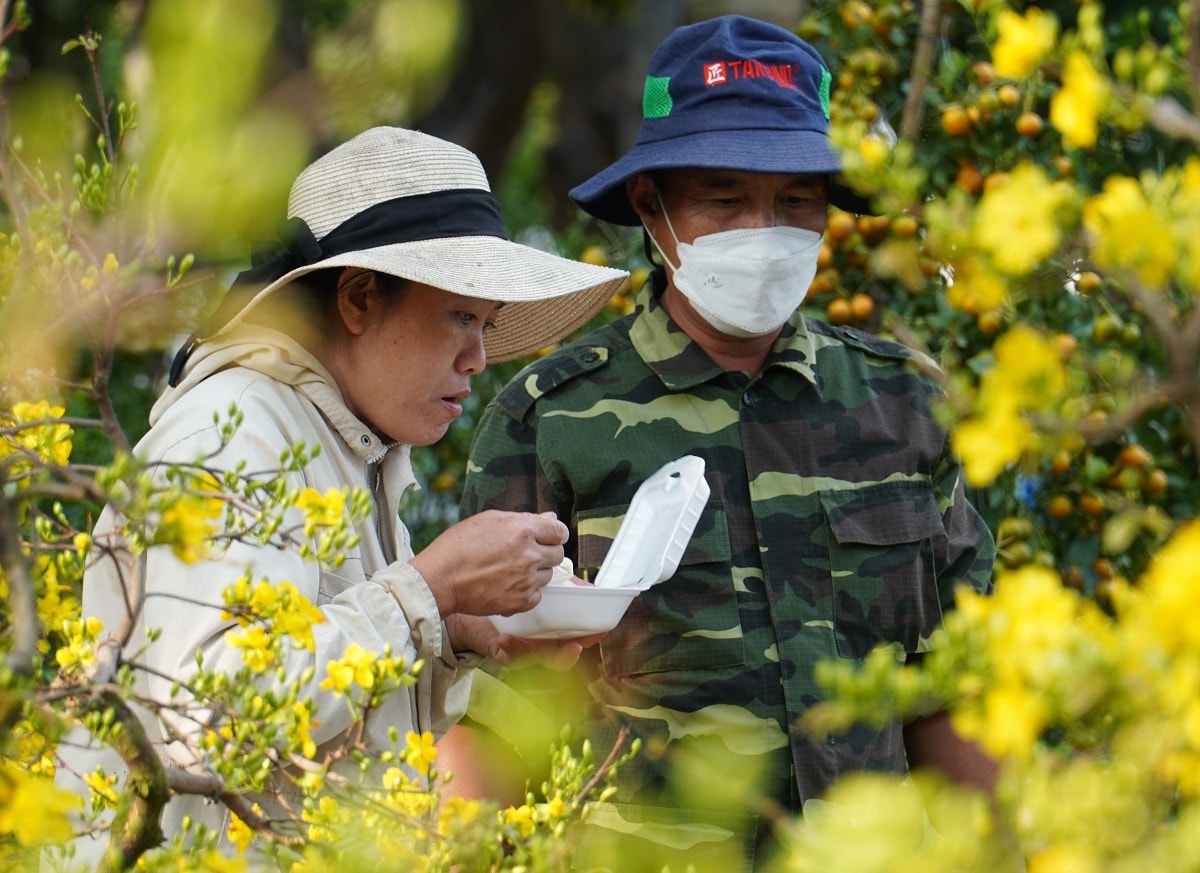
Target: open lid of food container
(656, 529)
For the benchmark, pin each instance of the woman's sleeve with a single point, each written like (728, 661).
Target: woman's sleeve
(395, 610)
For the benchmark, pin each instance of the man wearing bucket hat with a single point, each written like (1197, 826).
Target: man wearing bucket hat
(357, 338)
(837, 518)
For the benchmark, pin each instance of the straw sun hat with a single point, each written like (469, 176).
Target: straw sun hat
(415, 206)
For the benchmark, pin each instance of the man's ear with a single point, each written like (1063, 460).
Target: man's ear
(642, 192)
(357, 299)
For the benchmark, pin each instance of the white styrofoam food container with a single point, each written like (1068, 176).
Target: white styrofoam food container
(646, 550)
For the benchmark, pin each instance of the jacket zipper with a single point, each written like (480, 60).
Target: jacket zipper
(375, 476)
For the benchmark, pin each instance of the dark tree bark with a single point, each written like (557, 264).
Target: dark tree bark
(596, 56)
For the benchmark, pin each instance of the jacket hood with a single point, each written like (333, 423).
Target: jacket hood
(280, 357)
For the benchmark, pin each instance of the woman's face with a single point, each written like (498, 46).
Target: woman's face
(408, 361)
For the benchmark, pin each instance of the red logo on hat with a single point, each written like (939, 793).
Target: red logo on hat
(714, 74)
(719, 72)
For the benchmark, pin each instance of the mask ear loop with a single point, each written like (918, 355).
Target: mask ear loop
(650, 236)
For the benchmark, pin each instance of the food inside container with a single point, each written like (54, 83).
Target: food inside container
(646, 550)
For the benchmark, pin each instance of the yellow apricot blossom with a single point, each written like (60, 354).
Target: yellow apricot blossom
(103, 785)
(302, 728)
(1023, 41)
(240, 833)
(874, 151)
(327, 819)
(1029, 371)
(420, 752)
(552, 810)
(214, 862)
(1065, 858)
(1187, 219)
(56, 602)
(321, 510)
(1075, 108)
(236, 595)
(187, 527)
(1017, 222)
(396, 779)
(455, 813)
(412, 803)
(209, 489)
(80, 636)
(987, 444)
(1010, 721)
(1028, 374)
(32, 810)
(1022, 650)
(1130, 233)
(296, 615)
(32, 747)
(353, 668)
(1181, 768)
(976, 287)
(520, 817)
(49, 441)
(1169, 589)
(258, 648)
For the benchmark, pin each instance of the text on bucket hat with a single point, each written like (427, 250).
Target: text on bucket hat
(414, 206)
(729, 93)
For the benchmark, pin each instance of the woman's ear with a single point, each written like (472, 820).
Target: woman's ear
(357, 299)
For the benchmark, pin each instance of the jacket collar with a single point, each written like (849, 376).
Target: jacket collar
(682, 364)
(278, 356)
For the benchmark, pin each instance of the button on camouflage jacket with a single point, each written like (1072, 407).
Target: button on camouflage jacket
(837, 520)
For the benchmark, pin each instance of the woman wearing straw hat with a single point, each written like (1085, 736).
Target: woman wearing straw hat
(395, 284)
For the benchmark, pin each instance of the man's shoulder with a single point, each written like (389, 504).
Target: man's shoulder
(844, 341)
(584, 357)
(861, 341)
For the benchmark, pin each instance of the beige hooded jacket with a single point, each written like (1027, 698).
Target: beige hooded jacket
(375, 598)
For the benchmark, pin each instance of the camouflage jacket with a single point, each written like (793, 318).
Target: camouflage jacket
(837, 520)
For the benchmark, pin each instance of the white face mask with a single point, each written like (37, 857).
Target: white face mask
(746, 282)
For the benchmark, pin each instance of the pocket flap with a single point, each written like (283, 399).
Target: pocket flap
(884, 515)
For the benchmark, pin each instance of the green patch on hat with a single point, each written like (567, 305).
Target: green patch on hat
(656, 98)
(826, 80)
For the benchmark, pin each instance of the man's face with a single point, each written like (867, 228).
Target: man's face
(700, 202)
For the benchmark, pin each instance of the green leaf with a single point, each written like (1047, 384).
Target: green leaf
(1120, 532)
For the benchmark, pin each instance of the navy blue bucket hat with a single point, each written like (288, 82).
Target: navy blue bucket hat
(730, 93)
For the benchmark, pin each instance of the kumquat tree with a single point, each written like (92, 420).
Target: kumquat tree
(1035, 173)
(1039, 178)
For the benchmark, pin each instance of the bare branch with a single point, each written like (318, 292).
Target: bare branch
(1119, 422)
(10, 26)
(1183, 358)
(90, 43)
(1193, 52)
(137, 828)
(923, 55)
(603, 769)
(26, 627)
(209, 785)
(1169, 116)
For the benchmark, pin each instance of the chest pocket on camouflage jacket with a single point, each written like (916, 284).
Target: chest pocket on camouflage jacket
(688, 622)
(883, 544)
